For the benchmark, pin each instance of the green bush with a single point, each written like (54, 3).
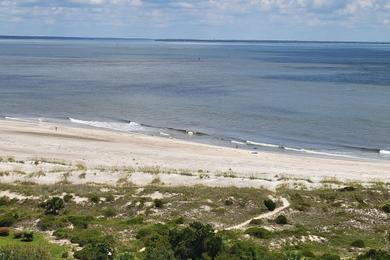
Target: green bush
(109, 197)
(62, 233)
(126, 256)
(329, 257)
(94, 198)
(358, 243)
(68, 197)
(158, 203)
(281, 220)
(374, 254)
(8, 219)
(135, 221)
(54, 205)
(243, 250)
(4, 201)
(23, 252)
(347, 189)
(270, 204)
(110, 212)
(258, 232)
(256, 222)
(98, 251)
(386, 208)
(194, 241)
(25, 235)
(80, 221)
(228, 202)
(86, 236)
(51, 222)
(4, 232)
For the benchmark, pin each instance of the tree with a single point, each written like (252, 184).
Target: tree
(54, 205)
(195, 240)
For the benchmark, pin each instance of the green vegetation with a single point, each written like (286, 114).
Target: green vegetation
(386, 208)
(358, 243)
(53, 206)
(270, 204)
(127, 222)
(281, 220)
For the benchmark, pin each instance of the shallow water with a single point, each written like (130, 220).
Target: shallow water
(320, 98)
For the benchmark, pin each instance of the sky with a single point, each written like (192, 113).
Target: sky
(329, 20)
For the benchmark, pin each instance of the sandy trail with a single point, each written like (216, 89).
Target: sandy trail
(96, 147)
(285, 205)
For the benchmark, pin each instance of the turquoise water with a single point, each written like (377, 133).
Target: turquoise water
(320, 98)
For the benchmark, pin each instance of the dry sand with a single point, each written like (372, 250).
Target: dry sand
(95, 147)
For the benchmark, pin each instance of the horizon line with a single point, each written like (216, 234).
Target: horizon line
(47, 37)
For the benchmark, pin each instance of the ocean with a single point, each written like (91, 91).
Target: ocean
(319, 98)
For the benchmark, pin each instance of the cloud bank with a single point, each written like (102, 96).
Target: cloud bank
(234, 19)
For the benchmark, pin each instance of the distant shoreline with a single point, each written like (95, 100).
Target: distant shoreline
(43, 37)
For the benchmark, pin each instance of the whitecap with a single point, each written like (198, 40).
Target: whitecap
(263, 144)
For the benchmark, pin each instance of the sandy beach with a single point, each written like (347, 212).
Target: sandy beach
(101, 148)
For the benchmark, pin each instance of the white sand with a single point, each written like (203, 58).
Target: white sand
(95, 147)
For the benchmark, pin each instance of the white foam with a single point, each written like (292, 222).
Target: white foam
(21, 119)
(237, 142)
(385, 152)
(164, 134)
(263, 144)
(119, 126)
(317, 152)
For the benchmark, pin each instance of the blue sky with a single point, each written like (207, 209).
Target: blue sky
(350, 20)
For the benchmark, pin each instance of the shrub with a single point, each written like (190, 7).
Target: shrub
(358, 243)
(8, 219)
(51, 222)
(126, 256)
(158, 203)
(329, 257)
(347, 189)
(54, 205)
(228, 202)
(374, 254)
(80, 221)
(23, 252)
(178, 221)
(87, 236)
(386, 208)
(65, 254)
(258, 232)
(68, 197)
(4, 232)
(62, 233)
(108, 213)
(135, 221)
(100, 251)
(109, 197)
(270, 204)
(27, 236)
(94, 198)
(281, 220)
(18, 234)
(194, 241)
(256, 222)
(4, 201)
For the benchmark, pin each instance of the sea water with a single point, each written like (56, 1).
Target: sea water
(320, 98)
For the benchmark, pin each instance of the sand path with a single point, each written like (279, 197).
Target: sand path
(285, 205)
